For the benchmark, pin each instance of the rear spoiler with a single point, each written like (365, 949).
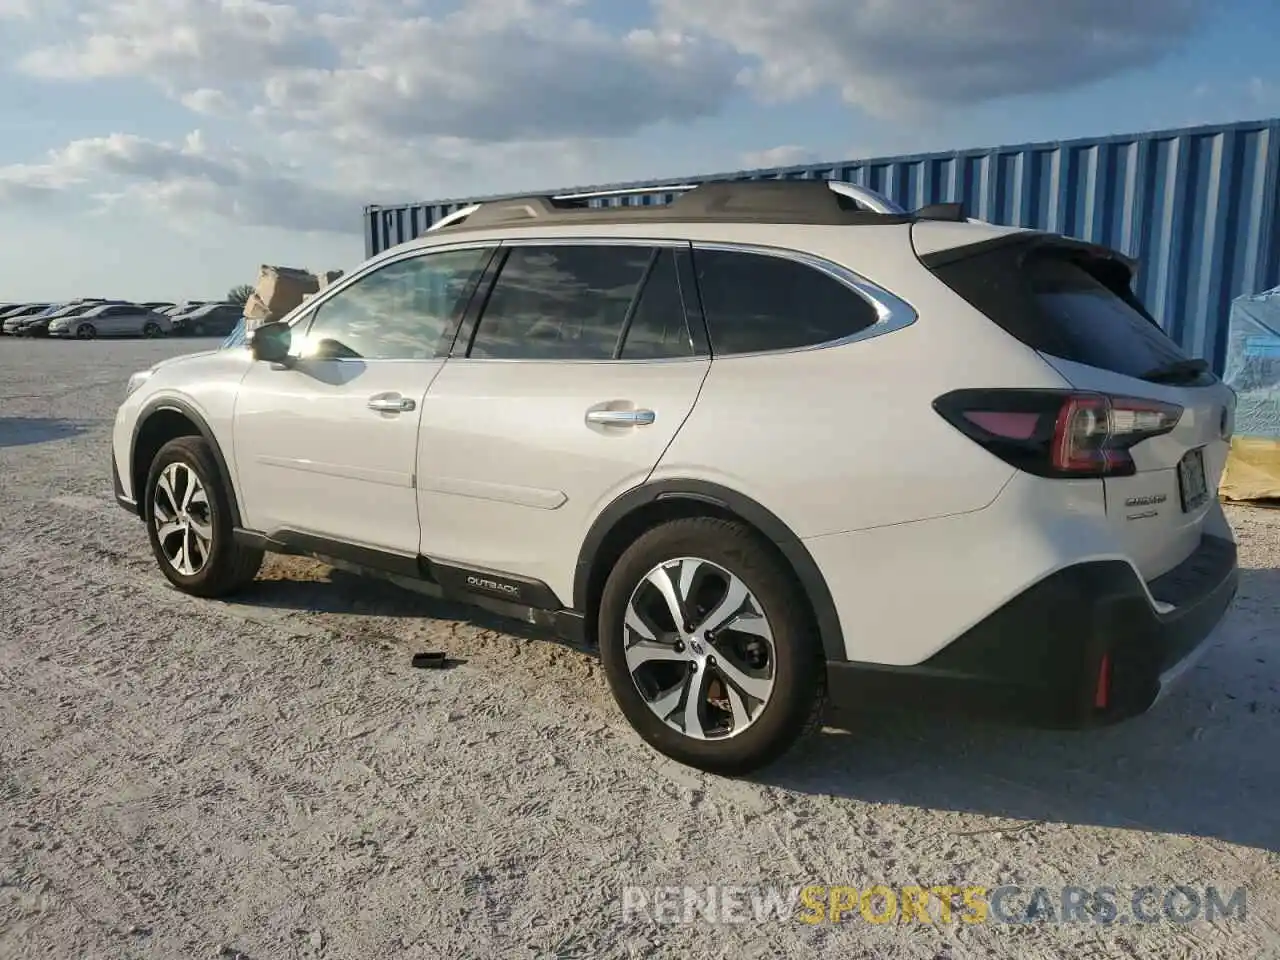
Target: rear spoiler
(1031, 240)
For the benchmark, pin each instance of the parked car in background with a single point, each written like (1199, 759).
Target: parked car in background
(37, 324)
(186, 306)
(111, 320)
(157, 305)
(13, 316)
(210, 320)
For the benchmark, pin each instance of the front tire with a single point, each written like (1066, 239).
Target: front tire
(86, 331)
(741, 679)
(152, 329)
(189, 522)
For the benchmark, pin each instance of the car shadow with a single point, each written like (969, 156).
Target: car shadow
(23, 431)
(1201, 762)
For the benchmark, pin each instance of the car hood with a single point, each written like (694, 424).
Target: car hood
(170, 361)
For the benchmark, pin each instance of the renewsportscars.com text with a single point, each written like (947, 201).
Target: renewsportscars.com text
(943, 904)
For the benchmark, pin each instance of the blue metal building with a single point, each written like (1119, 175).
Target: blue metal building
(1199, 207)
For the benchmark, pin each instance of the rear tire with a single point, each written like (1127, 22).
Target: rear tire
(757, 680)
(86, 331)
(188, 513)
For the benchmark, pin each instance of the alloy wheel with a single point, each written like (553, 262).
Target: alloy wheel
(182, 519)
(699, 648)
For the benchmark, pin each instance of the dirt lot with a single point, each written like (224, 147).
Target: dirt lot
(269, 778)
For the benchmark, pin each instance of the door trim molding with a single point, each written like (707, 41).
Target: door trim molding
(386, 478)
(534, 497)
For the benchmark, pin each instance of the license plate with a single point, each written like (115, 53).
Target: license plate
(1191, 481)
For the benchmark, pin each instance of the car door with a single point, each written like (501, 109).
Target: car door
(325, 445)
(575, 378)
(127, 321)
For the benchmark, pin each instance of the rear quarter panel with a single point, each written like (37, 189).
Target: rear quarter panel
(845, 438)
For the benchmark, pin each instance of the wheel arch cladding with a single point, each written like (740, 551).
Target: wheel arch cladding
(645, 507)
(162, 421)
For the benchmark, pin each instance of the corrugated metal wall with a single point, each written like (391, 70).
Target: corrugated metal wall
(1199, 207)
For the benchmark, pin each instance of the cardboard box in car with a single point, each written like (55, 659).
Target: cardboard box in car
(281, 288)
(328, 278)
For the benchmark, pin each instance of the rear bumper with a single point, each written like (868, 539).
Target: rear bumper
(1083, 647)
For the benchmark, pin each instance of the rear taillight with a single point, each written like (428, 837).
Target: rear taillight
(1057, 433)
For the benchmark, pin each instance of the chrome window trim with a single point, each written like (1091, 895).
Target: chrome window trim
(606, 241)
(892, 312)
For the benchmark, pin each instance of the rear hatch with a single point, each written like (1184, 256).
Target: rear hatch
(1073, 303)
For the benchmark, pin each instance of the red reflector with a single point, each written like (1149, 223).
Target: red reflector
(1103, 692)
(1015, 426)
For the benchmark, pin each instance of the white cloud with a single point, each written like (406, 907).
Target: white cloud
(493, 70)
(359, 100)
(887, 56)
(184, 43)
(785, 155)
(186, 178)
(207, 101)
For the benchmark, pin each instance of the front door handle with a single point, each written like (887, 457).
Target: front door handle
(391, 403)
(621, 418)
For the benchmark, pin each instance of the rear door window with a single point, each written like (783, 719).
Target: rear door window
(561, 302)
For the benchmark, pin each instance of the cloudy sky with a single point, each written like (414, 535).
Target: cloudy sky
(165, 148)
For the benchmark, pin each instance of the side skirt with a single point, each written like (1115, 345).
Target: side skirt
(503, 594)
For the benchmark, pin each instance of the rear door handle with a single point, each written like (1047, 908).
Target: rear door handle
(390, 403)
(621, 418)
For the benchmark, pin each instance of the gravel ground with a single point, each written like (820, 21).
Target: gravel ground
(270, 778)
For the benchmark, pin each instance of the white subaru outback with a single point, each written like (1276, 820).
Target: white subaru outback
(765, 446)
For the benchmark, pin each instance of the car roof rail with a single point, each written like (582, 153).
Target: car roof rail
(830, 202)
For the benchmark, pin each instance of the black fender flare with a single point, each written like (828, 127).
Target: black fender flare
(175, 405)
(802, 563)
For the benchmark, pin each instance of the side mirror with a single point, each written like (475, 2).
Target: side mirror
(270, 342)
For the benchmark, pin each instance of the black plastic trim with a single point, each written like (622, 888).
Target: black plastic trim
(179, 406)
(1038, 658)
(117, 488)
(458, 582)
(694, 316)
(457, 579)
(802, 563)
(296, 542)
